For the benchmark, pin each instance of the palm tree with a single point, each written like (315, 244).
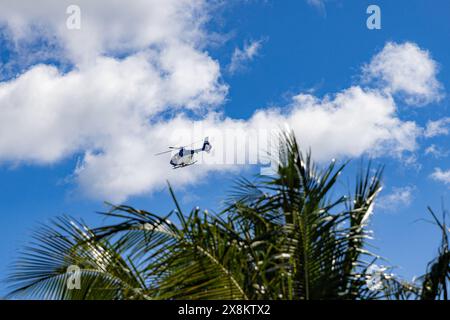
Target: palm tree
(281, 237)
(436, 280)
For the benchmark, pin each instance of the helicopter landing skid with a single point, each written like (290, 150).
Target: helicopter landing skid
(184, 165)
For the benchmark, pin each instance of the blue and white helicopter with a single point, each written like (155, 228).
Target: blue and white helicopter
(185, 157)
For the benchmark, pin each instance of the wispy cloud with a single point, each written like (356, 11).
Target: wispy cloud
(441, 175)
(318, 4)
(437, 128)
(242, 56)
(435, 151)
(399, 197)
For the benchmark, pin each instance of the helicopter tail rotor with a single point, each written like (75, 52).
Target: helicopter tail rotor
(206, 145)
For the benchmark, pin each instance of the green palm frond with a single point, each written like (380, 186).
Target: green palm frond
(322, 239)
(191, 262)
(288, 236)
(42, 269)
(437, 278)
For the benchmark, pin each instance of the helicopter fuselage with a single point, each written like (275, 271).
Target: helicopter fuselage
(183, 158)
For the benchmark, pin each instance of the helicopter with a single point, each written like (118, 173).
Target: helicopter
(185, 157)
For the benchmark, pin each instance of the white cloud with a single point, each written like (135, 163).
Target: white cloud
(437, 128)
(399, 197)
(352, 122)
(108, 25)
(46, 115)
(116, 112)
(319, 4)
(407, 70)
(128, 166)
(441, 175)
(244, 55)
(435, 151)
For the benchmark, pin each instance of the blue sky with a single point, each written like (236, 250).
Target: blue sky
(298, 48)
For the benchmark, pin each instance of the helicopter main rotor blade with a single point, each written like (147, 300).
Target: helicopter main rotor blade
(177, 148)
(158, 154)
(188, 145)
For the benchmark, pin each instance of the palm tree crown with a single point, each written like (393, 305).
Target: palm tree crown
(281, 237)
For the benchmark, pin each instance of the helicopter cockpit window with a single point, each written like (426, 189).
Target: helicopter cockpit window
(180, 153)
